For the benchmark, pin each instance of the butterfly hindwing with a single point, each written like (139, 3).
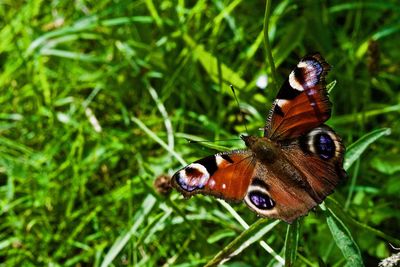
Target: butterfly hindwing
(225, 175)
(270, 196)
(302, 102)
(320, 154)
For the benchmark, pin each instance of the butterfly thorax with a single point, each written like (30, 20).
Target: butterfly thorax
(263, 148)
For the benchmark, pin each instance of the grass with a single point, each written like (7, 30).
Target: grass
(99, 97)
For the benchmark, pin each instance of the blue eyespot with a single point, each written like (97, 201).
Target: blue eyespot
(325, 146)
(189, 179)
(261, 200)
(182, 182)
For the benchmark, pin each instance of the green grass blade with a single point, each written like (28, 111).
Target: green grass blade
(331, 85)
(225, 12)
(362, 5)
(355, 150)
(154, 13)
(158, 140)
(82, 25)
(71, 55)
(342, 236)
(364, 115)
(210, 64)
(8, 242)
(387, 165)
(121, 242)
(293, 37)
(337, 209)
(245, 239)
(268, 49)
(291, 242)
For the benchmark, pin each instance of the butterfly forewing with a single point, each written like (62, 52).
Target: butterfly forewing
(225, 175)
(302, 102)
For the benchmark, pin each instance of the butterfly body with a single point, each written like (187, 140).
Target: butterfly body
(290, 170)
(262, 148)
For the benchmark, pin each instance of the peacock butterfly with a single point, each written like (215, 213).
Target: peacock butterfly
(290, 170)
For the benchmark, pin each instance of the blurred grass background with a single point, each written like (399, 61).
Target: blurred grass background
(97, 98)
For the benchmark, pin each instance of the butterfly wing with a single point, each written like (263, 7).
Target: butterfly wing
(302, 102)
(305, 172)
(320, 154)
(271, 196)
(225, 175)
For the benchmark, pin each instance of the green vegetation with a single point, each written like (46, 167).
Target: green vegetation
(98, 98)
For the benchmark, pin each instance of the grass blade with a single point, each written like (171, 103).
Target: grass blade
(158, 140)
(268, 45)
(355, 150)
(291, 242)
(294, 36)
(364, 115)
(343, 239)
(335, 207)
(245, 239)
(210, 64)
(120, 243)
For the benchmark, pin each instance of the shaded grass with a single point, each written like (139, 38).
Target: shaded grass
(77, 165)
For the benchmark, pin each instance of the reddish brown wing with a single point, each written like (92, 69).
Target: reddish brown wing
(276, 196)
(225, 175)
(318, 155)
(302, 102)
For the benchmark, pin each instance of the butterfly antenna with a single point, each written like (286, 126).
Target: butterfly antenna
(237, 102)
(209, 141)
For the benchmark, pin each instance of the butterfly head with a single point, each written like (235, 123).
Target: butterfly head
(248, 139)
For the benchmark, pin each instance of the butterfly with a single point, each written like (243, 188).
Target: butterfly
(293, 167)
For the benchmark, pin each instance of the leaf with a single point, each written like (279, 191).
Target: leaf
(244, 240)
(210, 64)
(291, 242)
(386, 164)
(364, 115)
(359, 5)
(337, 209)
(221, 234)
(344, 240)
(355, 150)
